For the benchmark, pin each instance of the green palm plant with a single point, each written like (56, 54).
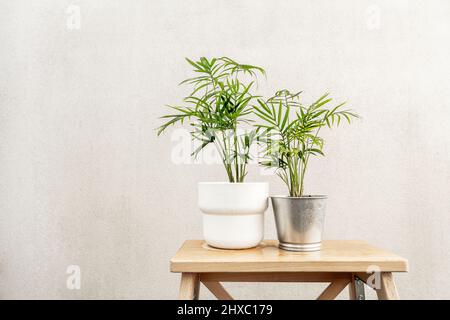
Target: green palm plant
(217, 106)
(290, 134)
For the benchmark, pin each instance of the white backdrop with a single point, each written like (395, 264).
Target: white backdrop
(86, 182)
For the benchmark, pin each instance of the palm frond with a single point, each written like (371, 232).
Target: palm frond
(289, 138)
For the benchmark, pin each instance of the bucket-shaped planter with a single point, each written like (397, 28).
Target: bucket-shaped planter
(233, 213)
(299, 221)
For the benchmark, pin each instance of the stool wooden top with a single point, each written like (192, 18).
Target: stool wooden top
(336, 256)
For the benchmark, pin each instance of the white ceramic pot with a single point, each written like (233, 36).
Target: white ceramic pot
(233, 213)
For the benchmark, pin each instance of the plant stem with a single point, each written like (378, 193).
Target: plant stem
(225, 159)
(236, 160)
(305, 162)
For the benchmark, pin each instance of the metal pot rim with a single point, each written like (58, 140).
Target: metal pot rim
(300, 198)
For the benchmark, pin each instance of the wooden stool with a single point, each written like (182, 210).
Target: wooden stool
(340, 262)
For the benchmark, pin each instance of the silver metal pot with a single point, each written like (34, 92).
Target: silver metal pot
(299, 221)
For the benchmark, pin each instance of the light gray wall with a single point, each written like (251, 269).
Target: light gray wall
(85, 181)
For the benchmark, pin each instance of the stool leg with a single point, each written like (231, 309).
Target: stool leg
(333, 290)
(189, 286)
(388, 291)
(218, 290)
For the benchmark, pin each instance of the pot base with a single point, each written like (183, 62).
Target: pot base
(300, 247)
(233, 231)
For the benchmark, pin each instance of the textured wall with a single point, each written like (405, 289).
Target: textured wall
(85, 181)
